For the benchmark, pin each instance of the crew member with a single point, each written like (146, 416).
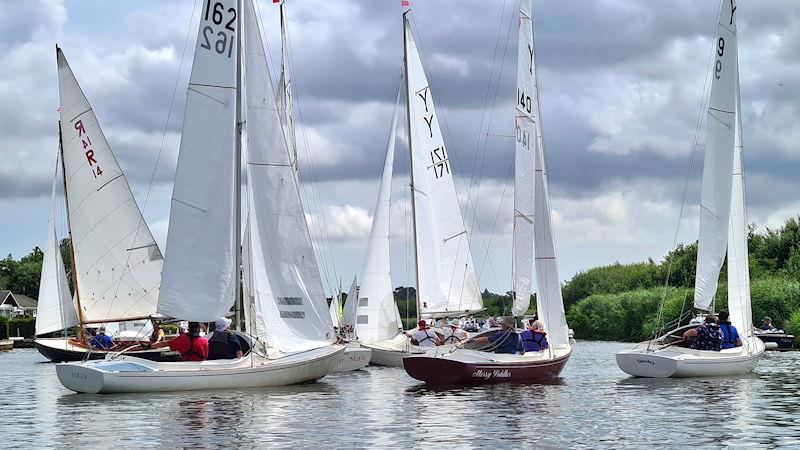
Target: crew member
(534, 339)
(191, 345)
(224, 344)
(424, 336)
(730, 335)
(101, 341)
(504, 341)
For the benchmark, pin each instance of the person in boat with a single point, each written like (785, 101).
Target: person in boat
(157, 335)
(224, 344)
(730, 335)
(766, 324)
(101, 341)
(534, 339)
(192, 346)
(709, 336)
(453, 333)
(504, 341)
(424, 336)
(183, 328)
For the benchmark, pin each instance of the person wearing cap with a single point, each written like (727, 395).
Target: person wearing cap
(504, 341)
(192, 346)
(157, 335)
(730, 335)
(224, 344)
(767, 324)
(101, 341)
(183, 328)
(534, 339)
(709, 336)
(424, 336)
(453, 333)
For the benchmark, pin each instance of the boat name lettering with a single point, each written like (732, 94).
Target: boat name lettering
(82, 376)
(87, 145)
(224, 42)
(646, 361)
(487, 374)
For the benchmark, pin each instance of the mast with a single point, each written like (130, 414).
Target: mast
(238, 175)
(411, 158)
(69, 231)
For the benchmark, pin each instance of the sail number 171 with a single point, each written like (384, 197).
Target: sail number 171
(220, 41)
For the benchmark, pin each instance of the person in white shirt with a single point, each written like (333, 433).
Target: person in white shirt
(424, 336)
(453, 333)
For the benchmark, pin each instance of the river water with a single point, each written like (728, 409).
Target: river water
(593, 405)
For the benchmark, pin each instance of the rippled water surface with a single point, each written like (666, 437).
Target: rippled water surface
(593, 405)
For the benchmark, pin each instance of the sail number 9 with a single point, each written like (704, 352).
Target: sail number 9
(221, 41)
(720, 52)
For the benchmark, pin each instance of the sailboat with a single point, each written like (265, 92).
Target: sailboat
(447, 285)
(723, 228)
(533, 242)
(116, 261)
(230, 110)
(354, 357)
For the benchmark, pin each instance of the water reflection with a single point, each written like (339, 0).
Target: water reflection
(592, 405)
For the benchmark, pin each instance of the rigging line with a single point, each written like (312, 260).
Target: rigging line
(695, 143)
(324, 234)
(424, 60)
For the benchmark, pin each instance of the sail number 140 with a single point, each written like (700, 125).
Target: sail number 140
(221, 41)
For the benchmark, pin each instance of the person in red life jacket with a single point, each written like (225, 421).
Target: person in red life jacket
(191, 345)
(534, 339)
(424, 336)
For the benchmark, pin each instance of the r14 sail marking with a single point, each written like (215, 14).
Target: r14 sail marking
(87, 145)
(224, 41)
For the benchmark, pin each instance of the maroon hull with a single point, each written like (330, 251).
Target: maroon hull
(433, 370)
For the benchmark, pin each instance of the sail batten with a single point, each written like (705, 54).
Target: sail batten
(718, 164)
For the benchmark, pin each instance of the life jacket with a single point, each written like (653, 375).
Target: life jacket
(727, 333)
(191, 351)
(427, 337)
(536, 337)
(218, 347)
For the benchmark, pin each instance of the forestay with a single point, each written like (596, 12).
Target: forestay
(199, 273)
(118, 262)
(376, 317)
(286, 285)
(524, 164)
(715, 199)
(55, 310)
(446, 279)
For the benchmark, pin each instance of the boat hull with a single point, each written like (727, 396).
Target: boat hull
(487, 368)
(682, 362)
(131, 374)
(391, 352)
(354, 357)
(781, 342)
(62, 350)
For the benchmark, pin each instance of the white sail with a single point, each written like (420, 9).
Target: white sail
(524, 164)
(351, 305)
(286, 282)
(118, 263)
(333, 310)
(741, 313)
(715, 201)
(447, 284)
(55, 310)
(199, 273)
(284, 95)
(376, 315)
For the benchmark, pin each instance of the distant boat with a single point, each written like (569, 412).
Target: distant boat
(446, 283)
(533, 241)
(723, 229)
(116, 262)
(282, 284)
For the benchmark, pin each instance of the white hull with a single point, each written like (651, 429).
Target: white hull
(392, 351)
(681, 362)
(355, 357)
(130, 374)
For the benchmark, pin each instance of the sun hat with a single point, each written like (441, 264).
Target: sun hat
(222, 323)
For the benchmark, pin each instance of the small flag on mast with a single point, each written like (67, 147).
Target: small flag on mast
(403, 3)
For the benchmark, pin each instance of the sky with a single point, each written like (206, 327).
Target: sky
(622, 86)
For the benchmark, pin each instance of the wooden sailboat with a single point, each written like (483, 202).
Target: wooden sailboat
(447, 285)
(723, 229)
(533, 242)
(117, 263)
(282, 283)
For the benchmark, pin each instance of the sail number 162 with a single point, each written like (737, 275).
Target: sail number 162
(221, 41)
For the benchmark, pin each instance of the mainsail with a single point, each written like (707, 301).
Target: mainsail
(446, 280)
(377, 314)
(718, 165)
(351, 305)
(200, 270)
(289, 299)
(118, 263)
(55, 310)
(284, 94)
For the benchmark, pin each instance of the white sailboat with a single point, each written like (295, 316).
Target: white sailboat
(201, 273)
(117, 263)
(533, 241)
(447, 285)
(723, 228)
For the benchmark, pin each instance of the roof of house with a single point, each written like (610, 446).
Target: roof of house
(25, 302)
(7, 298)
